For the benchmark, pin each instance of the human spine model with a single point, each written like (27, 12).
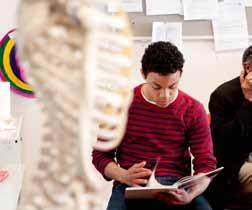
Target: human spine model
(78, 59)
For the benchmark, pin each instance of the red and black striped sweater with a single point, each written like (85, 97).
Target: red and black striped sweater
(154, 132)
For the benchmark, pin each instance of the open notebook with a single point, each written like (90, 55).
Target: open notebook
(153, 186)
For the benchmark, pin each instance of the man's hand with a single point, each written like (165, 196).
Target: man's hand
(136, 175)
(183, 197)
(175, 197)
(246, 85)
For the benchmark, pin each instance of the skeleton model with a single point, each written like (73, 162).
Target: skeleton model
(78, 61)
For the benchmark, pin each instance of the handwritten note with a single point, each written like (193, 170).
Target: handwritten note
(230, 31)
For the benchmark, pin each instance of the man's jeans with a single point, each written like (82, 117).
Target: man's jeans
(118, 202)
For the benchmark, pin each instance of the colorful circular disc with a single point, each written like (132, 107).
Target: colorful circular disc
(10, 69)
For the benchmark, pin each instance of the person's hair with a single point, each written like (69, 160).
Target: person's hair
(162, 58)
(247, 56)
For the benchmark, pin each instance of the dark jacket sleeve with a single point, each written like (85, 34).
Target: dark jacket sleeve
(229, 120)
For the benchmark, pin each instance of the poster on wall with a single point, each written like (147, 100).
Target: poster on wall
(230, 31)
(161, 7)
(10, 69)
(167, 32)
(200, 10)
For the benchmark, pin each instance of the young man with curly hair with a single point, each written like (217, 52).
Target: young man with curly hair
(163, 122)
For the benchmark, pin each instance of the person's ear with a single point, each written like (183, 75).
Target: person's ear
(246, 68)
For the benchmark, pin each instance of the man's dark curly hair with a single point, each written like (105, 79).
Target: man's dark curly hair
(247, 55)
(163, 58)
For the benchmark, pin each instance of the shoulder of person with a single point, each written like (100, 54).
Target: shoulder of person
(228, 87)
(190, 100)
(137, 89)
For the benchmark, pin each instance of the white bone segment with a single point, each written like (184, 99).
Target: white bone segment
(78, 59)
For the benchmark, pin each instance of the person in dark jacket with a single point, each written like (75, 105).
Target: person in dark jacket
(230, 108)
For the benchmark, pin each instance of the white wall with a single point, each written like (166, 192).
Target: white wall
(204, 69)
(8, 14)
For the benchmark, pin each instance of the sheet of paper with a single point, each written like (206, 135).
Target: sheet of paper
(200, 10)
(5, 99)
(167, 32)
(248, 3)
(241, 2)
(129, 6)
(230, 31)
(11, 187)
(163, 7)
